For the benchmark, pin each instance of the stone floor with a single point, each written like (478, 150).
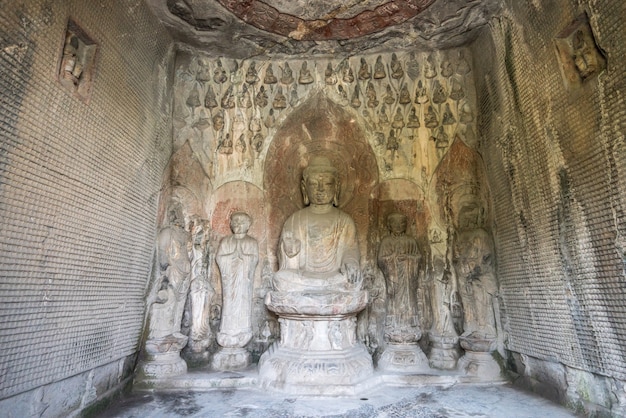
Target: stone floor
(453, 401)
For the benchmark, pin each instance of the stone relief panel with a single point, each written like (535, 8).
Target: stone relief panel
(411, 104)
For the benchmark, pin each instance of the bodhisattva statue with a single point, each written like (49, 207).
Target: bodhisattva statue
(237, 258)
(164, 339)
(318, 247)
(399, 258)
(317, 295)
(201, 293)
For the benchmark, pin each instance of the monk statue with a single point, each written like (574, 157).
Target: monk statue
(318, 248)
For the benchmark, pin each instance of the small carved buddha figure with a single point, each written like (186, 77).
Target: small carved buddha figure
(430, 70)
(219, 74)
(270, 78)
(305, 74)
(210, 100)
(399, 259)
(448, 117)
(348, 75)
(293, 97)
(396, 67)
(280, 101)
(251, 74)
(225, 146)
(389, 96)
(193, 100)
(364, 70)
(420, 94)
(356, 101)
(204, 71)
(329, 75)
(392, 141)
(456, 90)
(430, 118)
(370, 92)
(398, 119)
(379, 69)
(228, 100)
(218, 121)
(446, 68)
(261, 98)
(414, 121)
(462, 66)
(405, 97)
(287, 74)
(318, 248)
(412, 67)
(439, 93)
(465, 113)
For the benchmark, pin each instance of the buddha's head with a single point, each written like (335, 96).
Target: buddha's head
(396, 222)
(320, 183)
(240, 223)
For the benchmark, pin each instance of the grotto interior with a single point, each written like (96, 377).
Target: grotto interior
(317, 197)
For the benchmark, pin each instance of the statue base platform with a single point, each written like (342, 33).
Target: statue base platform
(163, 358)
(404, 358)
(444, 351)
(318, 353)
(478, 362)
(230, 358)
(480, 366)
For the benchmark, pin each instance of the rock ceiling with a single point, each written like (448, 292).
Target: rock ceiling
(246, 28)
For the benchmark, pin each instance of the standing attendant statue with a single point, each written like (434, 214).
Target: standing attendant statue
(398, 258)
(164, 339)
(237, 258)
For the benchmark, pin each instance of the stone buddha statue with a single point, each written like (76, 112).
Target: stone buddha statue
(318, 248)
(317, 295)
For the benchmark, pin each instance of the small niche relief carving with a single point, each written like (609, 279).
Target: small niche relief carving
(77, 64)
(581, 59)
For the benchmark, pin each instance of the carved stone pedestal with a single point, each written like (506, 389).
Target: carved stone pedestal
(230, 358)
(318, 353)
(163, 357)
(444, 351)
(408, 358)
(478, 361)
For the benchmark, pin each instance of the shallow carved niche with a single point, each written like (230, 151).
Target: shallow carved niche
(581, 58)
(319, 127)
(77, 64)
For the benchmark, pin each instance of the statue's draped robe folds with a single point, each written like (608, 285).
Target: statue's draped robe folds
(313, 248)
(237, 260)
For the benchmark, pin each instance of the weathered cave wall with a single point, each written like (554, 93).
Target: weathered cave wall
(79, 184)
(554, 148)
